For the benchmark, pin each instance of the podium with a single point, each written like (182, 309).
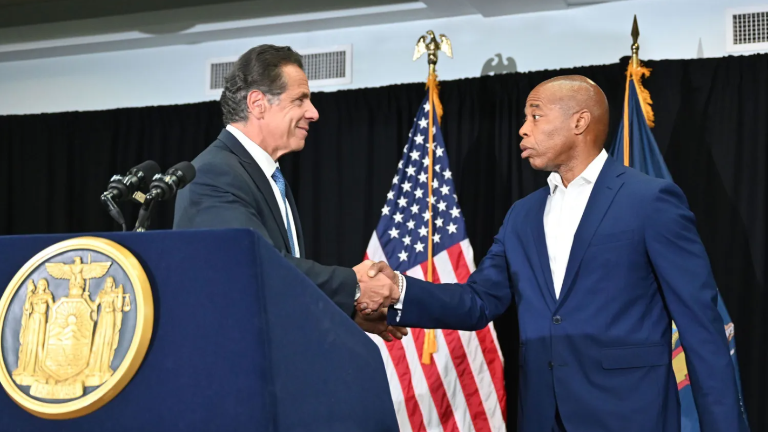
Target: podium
(241, 341)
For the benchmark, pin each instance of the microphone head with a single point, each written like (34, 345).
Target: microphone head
(184, 171)
(145, 171)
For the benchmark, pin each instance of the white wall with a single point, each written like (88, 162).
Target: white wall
(670, 29)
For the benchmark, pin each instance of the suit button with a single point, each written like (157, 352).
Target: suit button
(556, 319)
(551, 365)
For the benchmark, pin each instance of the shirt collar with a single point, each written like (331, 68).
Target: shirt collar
(259, 154)
(589, 175)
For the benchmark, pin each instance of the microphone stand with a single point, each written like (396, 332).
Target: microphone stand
(114, 210)
(142, 222)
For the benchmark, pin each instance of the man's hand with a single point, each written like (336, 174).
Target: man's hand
(377, 291)
(376, 270)
(376, 323)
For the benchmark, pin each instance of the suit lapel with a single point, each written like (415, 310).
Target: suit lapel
(259, 178)
(607, 185)
(296, 221)
(539, 239)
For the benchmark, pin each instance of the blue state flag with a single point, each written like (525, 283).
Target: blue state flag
(636, 147)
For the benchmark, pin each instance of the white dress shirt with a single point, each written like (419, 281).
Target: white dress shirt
(562, 214)
(565, 207)
(268, 166)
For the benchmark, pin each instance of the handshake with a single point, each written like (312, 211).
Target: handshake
(379, 288)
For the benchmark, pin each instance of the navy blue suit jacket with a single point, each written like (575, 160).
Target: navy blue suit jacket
(601, 353)
(231, 190)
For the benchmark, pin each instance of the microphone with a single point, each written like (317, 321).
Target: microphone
(164, 186)
(123, 187)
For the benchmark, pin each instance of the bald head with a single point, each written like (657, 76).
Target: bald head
(566, 123)
(574, 93)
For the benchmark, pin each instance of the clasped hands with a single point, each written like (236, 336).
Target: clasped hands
(379, 288)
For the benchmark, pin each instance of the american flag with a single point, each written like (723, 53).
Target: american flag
(462, 387)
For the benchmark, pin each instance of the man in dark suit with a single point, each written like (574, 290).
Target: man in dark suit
(267, 109)
(598, 263)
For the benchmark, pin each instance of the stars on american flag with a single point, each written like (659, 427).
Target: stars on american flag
(403, 255)
(394, 232)
(403, 230)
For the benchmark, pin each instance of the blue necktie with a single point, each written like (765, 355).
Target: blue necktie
(277, 176)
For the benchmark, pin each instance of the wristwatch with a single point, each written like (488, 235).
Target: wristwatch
(357, 292)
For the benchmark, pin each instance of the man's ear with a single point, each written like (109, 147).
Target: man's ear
(257, 103)
(581, 121)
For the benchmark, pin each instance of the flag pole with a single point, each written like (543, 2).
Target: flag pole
(633, 65)
(431, 47)
(635, 45)
(635, 72)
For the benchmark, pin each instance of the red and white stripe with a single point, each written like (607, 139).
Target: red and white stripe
(462, 389)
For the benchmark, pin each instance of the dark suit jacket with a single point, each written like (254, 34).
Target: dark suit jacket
(601, 352)
(230, 190)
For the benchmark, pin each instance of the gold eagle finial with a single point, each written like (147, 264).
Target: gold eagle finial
(431, 47)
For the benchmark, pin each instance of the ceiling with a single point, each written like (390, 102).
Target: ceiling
(32, 29)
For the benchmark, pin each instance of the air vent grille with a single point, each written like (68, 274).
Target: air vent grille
(747, 29)
(750, 28)
(324, 67)
(219, 71)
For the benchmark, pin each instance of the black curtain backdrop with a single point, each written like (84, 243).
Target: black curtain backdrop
(711, 126)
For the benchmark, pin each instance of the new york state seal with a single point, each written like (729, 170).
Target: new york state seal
(75, 322)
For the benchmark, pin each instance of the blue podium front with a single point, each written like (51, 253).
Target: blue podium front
(241, 341)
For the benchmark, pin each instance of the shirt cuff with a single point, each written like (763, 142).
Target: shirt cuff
(399, 304)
